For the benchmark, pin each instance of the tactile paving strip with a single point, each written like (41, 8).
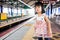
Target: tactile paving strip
(56, 36)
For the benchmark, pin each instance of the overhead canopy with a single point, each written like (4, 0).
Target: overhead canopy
(45, 2)
(25, 3)
(14, 3)
(57, 4)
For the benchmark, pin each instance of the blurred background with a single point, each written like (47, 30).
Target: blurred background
(17, 18)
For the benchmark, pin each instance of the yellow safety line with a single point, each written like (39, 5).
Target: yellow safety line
(29, 34)
(28, 25)
(56, 35)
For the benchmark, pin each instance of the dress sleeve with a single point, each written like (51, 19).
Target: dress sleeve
(45, 14)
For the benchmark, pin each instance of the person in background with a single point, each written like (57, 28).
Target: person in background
(42, 24)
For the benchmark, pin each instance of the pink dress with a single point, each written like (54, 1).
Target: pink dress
(40, 27)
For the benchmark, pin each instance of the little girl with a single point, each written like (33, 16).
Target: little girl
(42, 24)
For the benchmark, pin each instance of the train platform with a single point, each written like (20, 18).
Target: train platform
(17, 18)
(25, 31)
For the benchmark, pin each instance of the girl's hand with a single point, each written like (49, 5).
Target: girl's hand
(50, 35)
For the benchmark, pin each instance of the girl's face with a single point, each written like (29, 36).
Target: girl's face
(38, 9)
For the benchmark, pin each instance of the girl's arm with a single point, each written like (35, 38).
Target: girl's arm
(49, 26)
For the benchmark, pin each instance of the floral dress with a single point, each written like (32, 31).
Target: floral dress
(40, 27)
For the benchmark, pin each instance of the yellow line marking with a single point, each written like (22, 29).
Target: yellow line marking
(28, 24)
(29, 34)
(56, 34)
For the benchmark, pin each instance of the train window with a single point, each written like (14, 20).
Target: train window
(59, 10)
(14, 12)
(19, 12)
(9, 12)
(24, 12)
(0, 9)
(5, 10)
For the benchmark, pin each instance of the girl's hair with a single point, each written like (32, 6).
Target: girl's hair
(40, 4)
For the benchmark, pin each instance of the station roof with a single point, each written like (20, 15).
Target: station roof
(45, 2)
(24, 3)
(14, 3)
(56, 4)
